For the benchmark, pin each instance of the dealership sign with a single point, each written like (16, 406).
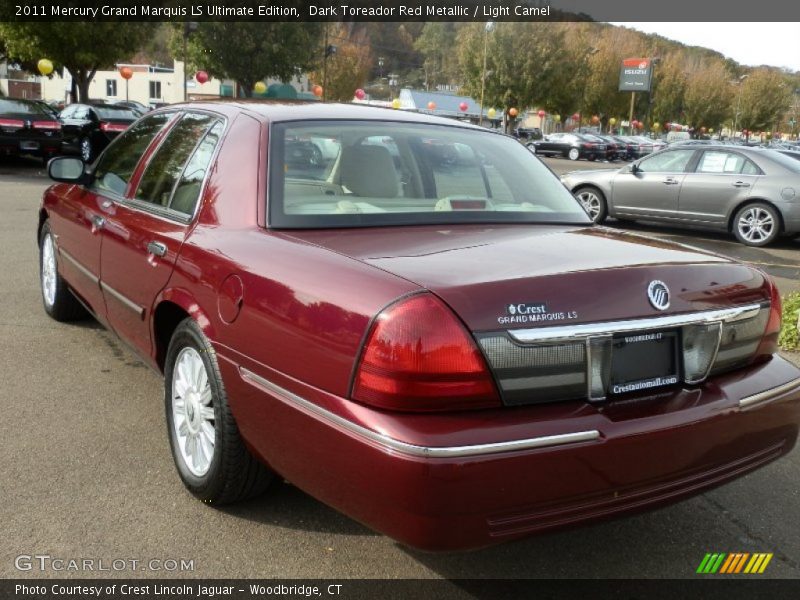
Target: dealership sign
(635, 75)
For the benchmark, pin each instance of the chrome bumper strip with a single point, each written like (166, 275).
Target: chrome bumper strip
(575, 332)
(412, 449)
(73, 261)
(769, 394)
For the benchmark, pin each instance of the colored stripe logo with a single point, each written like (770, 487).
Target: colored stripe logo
(734, 563)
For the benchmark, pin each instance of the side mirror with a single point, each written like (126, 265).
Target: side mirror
(67, 169)
(634, 168)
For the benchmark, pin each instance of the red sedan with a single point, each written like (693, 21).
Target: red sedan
(447, 351)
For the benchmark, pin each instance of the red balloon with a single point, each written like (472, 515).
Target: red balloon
(361, 94)
(432, 105)
(576, 116)
(702, 130)
(201, 76)
(668, 125)
(463, 107)
(317, 91)
(541, 114)
(126, 72)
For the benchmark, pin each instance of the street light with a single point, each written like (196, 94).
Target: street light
(188, 28)
(738, 104)
(487, 29)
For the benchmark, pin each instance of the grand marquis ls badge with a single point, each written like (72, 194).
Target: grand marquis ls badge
(658, 293)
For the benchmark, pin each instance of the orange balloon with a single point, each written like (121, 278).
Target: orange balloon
(126, 72)
(431, 105)
(317, 89)
(513, 112)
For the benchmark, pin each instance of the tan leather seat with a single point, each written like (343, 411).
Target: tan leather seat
(368, 171)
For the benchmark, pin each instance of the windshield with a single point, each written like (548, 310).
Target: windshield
(364, 173)
(116, 112)
(8, 106)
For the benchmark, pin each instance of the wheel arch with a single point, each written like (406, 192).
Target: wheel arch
(748, 201)
(43, 216)
(170, 308)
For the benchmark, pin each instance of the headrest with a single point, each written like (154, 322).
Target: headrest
(369, 171)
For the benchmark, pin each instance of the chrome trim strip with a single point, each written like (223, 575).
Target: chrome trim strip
(769, 394)
(574, 332)
(73, 261)
(139, 310)
(412, 449)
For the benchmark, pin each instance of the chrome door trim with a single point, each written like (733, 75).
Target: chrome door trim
(124, 300)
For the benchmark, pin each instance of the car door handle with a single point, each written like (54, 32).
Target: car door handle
(98, 221)
(156, 249)
(670, 181)
(741, 184)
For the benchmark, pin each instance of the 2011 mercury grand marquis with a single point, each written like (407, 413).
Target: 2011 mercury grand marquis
(448, 351)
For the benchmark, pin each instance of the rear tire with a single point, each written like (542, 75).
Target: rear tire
(207, 448)
(574, 154)
(58, 301)
(757, 224)
(87, 150)
(593, 201)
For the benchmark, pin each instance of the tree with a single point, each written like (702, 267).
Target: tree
(349, 66)
(437, 46)
(248, 52)
(765, 97)
(81, 47)
(669, 87)
(707, 100)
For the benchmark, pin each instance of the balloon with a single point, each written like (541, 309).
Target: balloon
(431, 105)
(711, 130)
(317, 91)
(463, 107)
(612, 121)
(260, 87)
(595, 119)
(513, 112)
(668, 125)
(541, 114)
(45, 66)
(201, 76)
(656, 126)
(360, 94)
(702, 130)
(491, 113)
(576, 116)
(126, 72)
(557, 118)
(396, 103)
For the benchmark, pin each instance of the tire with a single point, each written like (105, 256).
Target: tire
(196, 399)
(593, 201)
(757, 224)
(592, 158)
(573, 154)
(87, 150)
(58, 301)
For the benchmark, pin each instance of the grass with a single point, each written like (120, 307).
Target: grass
(789, 338)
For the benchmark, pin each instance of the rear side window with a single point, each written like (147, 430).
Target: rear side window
(184, 199)
(116, 165)
(166, 166)
(725, 163)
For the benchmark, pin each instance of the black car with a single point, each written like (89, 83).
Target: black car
(620, 148)
(634, 146)
(27, 128)
(569, 145)
(611, 147)
(89, 128)
(137, 107)
(528, 133)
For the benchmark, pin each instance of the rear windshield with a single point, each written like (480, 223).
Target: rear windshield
(365, 173)
(19, 107)
(116, 112)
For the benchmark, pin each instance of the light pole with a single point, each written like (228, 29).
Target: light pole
(738, 104)
(188, 28)
(487, 29)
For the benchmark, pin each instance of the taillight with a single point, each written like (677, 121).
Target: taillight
(769, 341)
(12, 124)
(419, 357)
(46, 125)
(115, 127)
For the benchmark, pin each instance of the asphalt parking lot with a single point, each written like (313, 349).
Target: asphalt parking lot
(88, 471)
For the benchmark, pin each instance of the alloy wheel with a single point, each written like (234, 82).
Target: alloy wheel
(756, 225)
(86, 150)
(591, 202)
(193, 412)
(48, 270)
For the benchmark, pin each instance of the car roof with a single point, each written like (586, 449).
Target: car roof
(277, 111)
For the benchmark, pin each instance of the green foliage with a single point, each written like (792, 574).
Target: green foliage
(251, 51)
(763, 99)
(707, 100)
(82, 47)
(789, 338)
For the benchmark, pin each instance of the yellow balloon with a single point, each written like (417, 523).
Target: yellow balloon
(711, 130)
(396, 103)
(557, 118)
(45, 66)
(656, 126)
(612, 121)
(491, 113)
(260, 87)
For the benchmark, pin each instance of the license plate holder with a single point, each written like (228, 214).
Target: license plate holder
(644, 360)
(28, 145)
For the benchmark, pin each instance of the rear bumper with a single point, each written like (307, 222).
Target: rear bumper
(451, 482)
(37, 145)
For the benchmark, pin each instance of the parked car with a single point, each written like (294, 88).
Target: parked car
(635, 147)
(611, 149)
(747, 191)
(89, 128)
(455, 356)
(27, 128)
(135, 106)
(527, 134)
(569, 145)
(619, 147)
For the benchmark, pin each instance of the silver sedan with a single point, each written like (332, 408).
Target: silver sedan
(752, 192)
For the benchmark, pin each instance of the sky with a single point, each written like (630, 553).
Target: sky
(752, 44)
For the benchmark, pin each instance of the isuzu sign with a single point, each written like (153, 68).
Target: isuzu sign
(635, 75)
